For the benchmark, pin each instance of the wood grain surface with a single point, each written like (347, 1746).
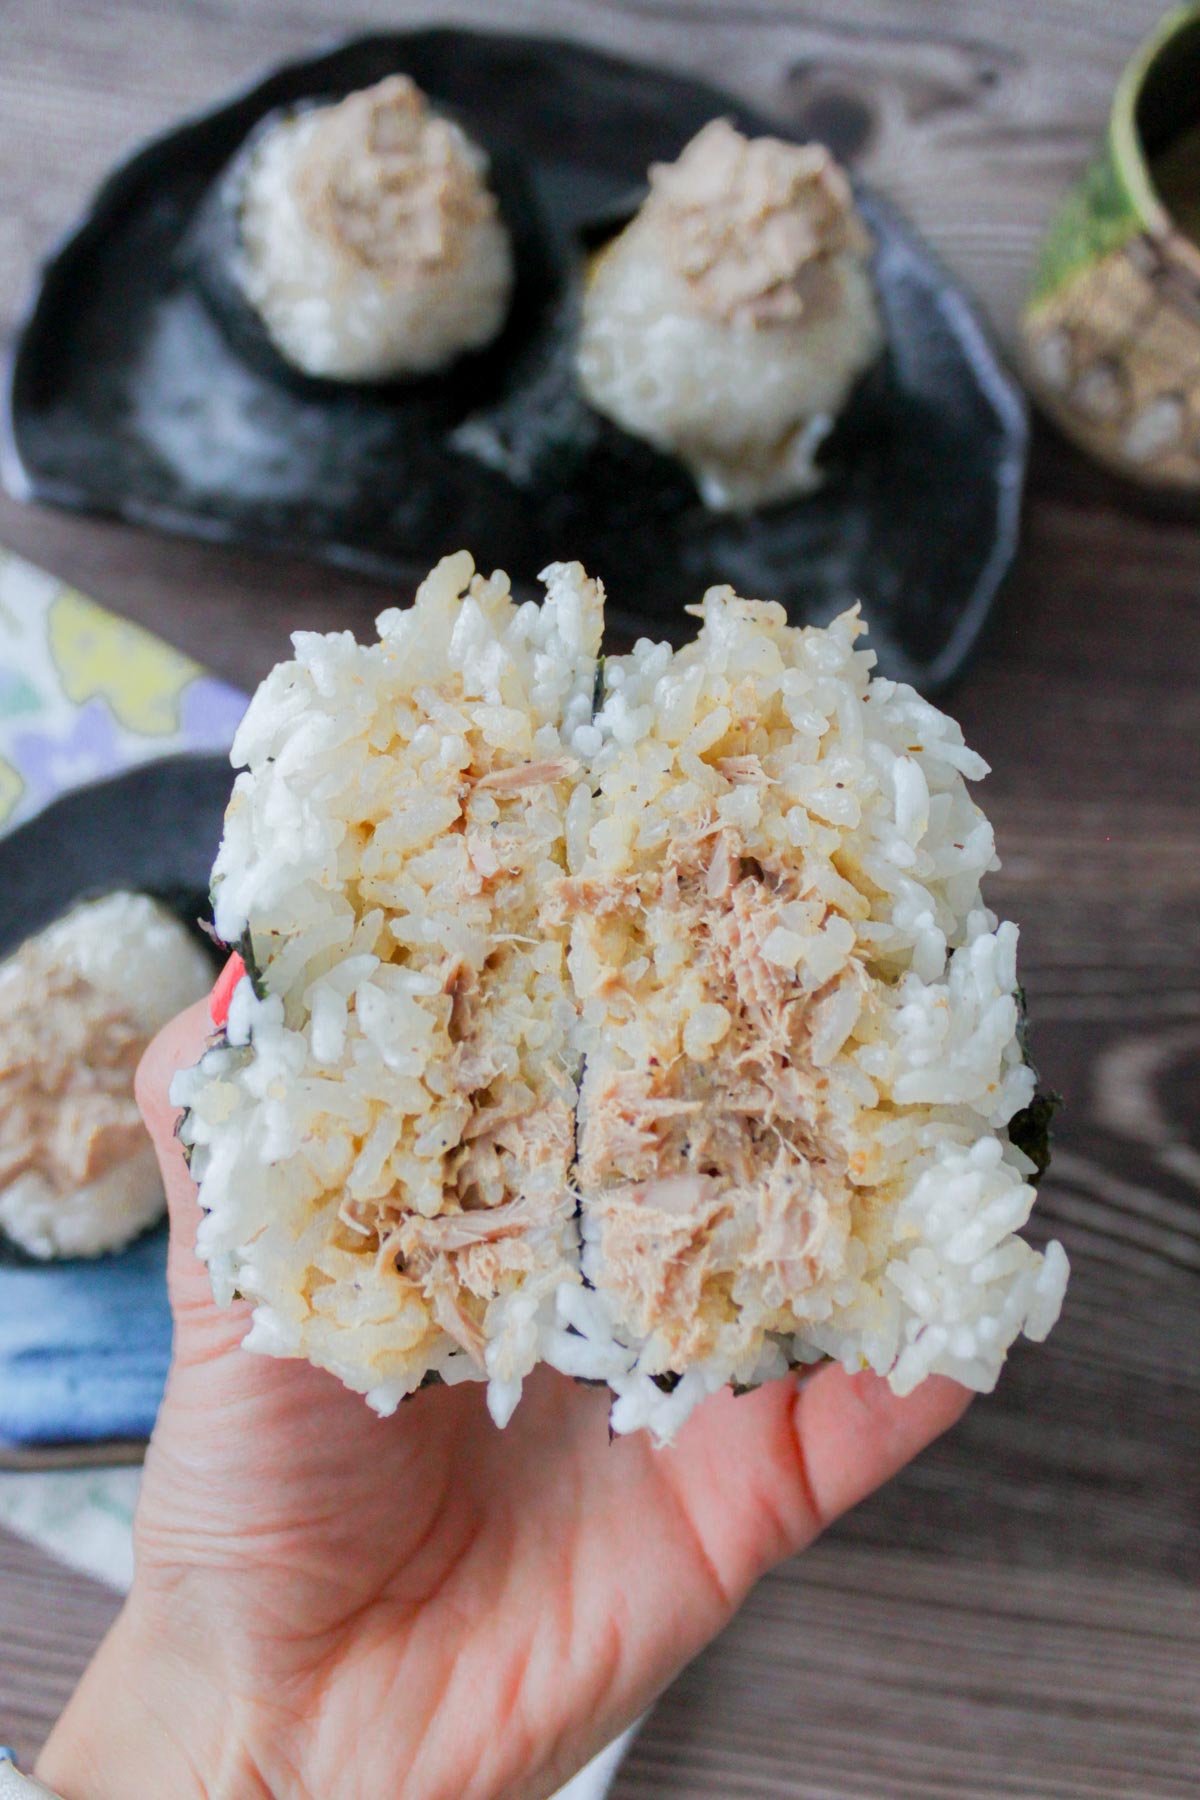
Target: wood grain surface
(1018, 1614)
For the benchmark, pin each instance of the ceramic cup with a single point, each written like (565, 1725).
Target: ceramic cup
(1112, 327)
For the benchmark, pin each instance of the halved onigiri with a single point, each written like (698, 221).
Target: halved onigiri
(660, 1034)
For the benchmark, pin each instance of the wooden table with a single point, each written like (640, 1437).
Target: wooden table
(1017, 1615)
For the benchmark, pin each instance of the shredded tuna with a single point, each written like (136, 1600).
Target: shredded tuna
(751, 225)
(67, 1057)
(658, 1249)
(526, 775)
(743, 769)
(450, 1311)
(389, 181)
(707, 1171)
(457, 1231)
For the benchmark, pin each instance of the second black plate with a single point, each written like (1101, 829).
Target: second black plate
(126, 398)
(154, 828)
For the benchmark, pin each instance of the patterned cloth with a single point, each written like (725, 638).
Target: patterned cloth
(84, 694)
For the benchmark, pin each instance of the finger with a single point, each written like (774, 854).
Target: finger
(762, 1475)
(855, 1433)
(201, 1327)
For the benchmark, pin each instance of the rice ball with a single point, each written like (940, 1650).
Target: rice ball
(78, 1005)
(371, 245)
(728, 322)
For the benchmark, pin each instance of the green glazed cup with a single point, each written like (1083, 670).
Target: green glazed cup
(1111, 330)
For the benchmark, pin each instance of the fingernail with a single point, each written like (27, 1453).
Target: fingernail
(222, 994)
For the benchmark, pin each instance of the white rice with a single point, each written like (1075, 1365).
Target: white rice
(815, 819)
(745, 410)
(438, 273)
(744, 401)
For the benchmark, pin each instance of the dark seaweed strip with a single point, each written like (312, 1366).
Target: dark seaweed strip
(254, 970)
(1030, 1130)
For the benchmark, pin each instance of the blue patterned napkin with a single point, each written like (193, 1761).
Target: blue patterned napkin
(84, 1347)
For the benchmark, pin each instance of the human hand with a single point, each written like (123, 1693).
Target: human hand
(329, 1605)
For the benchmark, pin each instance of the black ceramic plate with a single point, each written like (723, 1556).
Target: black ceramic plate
(152, 829)
(127, 397)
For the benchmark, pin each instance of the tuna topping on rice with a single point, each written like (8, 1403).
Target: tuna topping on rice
(729, 321)
(369, 241)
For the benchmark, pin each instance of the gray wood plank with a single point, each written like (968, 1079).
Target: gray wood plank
(1016, 1615)
(883, 1675)
(51, 1619)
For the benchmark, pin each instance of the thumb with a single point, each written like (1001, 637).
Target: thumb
(201, 1327)
(762, 1475)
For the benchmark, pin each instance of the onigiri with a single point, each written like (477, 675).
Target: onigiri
(369, 241)
(643, 1018)
(78, 1005)
(729, 320)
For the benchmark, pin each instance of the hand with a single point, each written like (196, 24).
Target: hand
(328, 1605)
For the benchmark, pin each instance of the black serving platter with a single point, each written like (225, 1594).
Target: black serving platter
(128, 397)
(152, 829)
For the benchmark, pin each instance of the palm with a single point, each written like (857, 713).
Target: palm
(428, 1605)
